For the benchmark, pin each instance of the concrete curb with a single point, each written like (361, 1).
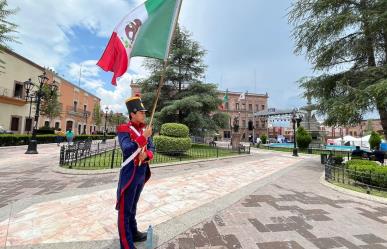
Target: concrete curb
(351, 192)
(58, 169)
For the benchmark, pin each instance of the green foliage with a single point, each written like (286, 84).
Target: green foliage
(174, 130)
(183, 98)
(97, 114)
(174, 139)
(263, 138)
(303, 138)
(6, 28)
(222, 120)
(23, 139)
(374, 140)
(171, 145)
(350, 38)
(50, 105)
(368, 172)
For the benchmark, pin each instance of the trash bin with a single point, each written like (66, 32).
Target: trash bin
(324, 158)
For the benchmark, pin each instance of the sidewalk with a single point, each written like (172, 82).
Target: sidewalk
(293, 211)
(91, 217)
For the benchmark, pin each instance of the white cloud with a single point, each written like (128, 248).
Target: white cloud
(91, 81)
(44, 27)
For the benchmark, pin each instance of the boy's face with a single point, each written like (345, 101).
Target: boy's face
(138, 117)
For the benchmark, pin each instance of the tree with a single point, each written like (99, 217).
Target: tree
(303, 138)
(184, 98)
(346, 41)
(97, 114)
(6, 27)
(374, 140)
(50, 105)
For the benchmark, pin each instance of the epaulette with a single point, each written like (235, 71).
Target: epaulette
(123, 128)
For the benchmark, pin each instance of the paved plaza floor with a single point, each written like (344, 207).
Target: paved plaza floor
(265, 200)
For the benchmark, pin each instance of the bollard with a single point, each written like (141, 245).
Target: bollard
(149, 238)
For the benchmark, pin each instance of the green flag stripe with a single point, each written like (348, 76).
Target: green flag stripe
(152, 39)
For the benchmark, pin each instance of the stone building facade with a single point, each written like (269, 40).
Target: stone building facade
(17, 114)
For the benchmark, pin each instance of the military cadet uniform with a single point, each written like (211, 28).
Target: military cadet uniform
(132, 175)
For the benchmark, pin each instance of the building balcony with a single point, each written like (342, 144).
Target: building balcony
(7, 97)
(71, 110)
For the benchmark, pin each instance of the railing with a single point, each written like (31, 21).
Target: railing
(77, 111)
(366, 180)
(110, 155)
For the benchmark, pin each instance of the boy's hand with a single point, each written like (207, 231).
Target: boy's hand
(148, 132)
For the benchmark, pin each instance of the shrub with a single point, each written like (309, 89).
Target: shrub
(23, 139)
(172, 145)
(174, 139)
(174, 130)
(263, 138)
(303, 138)
(374, 140)
(368, 172)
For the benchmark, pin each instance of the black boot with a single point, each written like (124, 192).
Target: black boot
(139, 237)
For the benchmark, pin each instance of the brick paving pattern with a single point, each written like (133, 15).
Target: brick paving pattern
(295, 211)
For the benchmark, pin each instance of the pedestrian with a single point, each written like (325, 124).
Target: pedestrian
(69, 136)
(137, 149)
(379, 155)
(59, 136)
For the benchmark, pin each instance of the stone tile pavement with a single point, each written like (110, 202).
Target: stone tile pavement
(91, 217)
(293, 211)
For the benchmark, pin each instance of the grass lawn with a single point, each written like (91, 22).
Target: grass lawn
(360, 189)
(342, 180)
(106, 160)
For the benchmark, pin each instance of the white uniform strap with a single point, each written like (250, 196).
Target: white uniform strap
(129, 159)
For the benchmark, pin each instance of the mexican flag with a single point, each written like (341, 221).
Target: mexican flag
(146, 31)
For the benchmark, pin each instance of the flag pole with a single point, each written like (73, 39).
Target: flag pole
(162, 79)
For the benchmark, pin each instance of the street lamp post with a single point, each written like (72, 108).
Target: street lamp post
(295, 120)
(36, 98)
(104, 131)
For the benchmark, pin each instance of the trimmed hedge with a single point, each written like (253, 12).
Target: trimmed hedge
(174, 130)
(175, 145)
(23, 139)
(368, 172)
(303, 138)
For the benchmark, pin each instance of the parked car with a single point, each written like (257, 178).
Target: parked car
(4, 131)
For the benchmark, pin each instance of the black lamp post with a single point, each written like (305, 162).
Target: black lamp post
(104, 131)
(36, 97)
(295, 120)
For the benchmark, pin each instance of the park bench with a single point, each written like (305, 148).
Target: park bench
(212, 143)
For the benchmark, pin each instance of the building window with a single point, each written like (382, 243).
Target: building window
(75, 106)
(263, 107)
(250, 107)
(237, 106)
(15, 123)
(243, 123)
(350, 133)
(69, 125)
(28, 124)
(18, 92)
(57, 124)
(256, 108)
(244, 107)
(355, 133)
(46, 123)
(79, 129)
(84, 108)
(226, 134)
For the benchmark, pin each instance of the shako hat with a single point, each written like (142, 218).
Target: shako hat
(134, 104)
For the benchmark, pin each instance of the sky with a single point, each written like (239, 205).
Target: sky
(248, 43)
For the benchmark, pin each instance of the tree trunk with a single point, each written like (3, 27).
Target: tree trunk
(368, 35)
(383, 118)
